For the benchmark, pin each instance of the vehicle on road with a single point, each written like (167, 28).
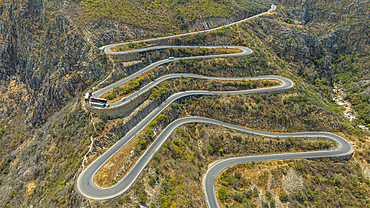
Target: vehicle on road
(123, 99)
(97, 104)
(85, 182)
(101, 100)
(87, 96)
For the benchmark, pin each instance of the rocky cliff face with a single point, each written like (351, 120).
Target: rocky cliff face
(334, 22)
(48, 58)
(109, 21)
(47, 47)
(45, 62)
(47, 55)
(330, 28)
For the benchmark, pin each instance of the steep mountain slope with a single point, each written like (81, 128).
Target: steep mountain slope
(333, 44)
(167, 14)
(49, 56)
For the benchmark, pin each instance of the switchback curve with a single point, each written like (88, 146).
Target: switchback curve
(85, 182)
(88, 189)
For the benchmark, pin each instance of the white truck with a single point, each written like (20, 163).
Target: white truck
(97, 104)
(87, 96)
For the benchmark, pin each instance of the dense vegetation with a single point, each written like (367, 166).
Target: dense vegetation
(163, 90)
(183, 159)
(297, 183)
(49, 56)
(330, 48)
(166, 14)
(50, 168)
(351, 70)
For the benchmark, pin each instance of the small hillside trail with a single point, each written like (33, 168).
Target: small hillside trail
(84, 161)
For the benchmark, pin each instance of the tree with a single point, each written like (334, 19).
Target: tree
(222, 195)
(289, 21)
(143, 196)
(299, 195)
(210, 150)
(176, 141)
(110, 97)
(268, 195)
(299, 167)
(284, 197)
(272, 201)
(131, 45)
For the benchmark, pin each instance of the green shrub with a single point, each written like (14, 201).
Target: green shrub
(210, 150)
(151, 180)
(272, 202)
(110, 97)
(149, 132)
(289, 21)
(284, 197)
(299, 195)
(125, 199)
(131, 45)
(176, 141)
(222, 195)
(268, 195)
(299, 167)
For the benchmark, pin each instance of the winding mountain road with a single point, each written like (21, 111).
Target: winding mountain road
(85, 183)
(244, 51)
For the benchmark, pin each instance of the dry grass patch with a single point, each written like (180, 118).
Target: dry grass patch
(30, 187)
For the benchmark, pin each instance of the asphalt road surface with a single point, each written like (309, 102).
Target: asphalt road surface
(98, 93)
(88, 189)
(85, 184)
